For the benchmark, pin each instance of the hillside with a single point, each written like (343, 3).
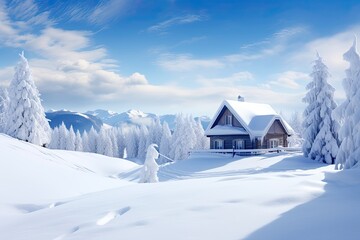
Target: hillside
(54, 194)
(79, 121)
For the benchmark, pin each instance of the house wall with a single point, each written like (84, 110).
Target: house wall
(275, 131)
(221, 118)
(228, 141)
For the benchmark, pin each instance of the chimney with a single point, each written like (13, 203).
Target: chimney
(241, 99)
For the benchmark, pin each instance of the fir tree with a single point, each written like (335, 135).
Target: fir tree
(104, 144)
(70, 140)
(325, 145)
(55, 139)
(143, 142)
(92, 140)
(63, 135)
(78, 142)
(4, 102)
(85, 142)
(349, 114)
(25, 114)
(165, 143)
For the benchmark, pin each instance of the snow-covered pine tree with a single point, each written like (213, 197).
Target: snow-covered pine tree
(85, 142)
(78, 142)
(55, 139)
(325, 145)
(63, 135)
(295, 122)
(150, 168)
(183, 139)
(165, 143)
(120, 139)
(4, 102)
(202, 142)
(104, 143)
(143, 142)
(114, 142)
(155, 132)
(348, 113)
(70, 140)
(311, 114)
(25, 114)
(132, 142)
(92, 140)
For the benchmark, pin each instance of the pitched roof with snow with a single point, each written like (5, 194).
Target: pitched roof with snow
(256, 118)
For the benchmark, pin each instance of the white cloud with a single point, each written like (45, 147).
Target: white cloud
(137, 79)
(68, 66)
(331, 49)
(232, 80)
(289, 79)
(186, 19)
(185, 62)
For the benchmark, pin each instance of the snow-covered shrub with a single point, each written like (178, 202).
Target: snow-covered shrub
(150, 168)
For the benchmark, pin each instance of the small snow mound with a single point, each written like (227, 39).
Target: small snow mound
(106, 219)
(111, 216)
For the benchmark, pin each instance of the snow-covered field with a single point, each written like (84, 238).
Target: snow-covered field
(54, 194)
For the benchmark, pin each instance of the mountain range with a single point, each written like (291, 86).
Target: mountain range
(99, 117)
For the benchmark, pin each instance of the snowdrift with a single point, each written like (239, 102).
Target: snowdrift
(52, 194)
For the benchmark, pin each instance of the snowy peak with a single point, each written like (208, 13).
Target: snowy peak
(102, 114)
(79, 121)
(132, 113)
(137, 117)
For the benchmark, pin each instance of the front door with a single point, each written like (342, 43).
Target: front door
(274, 143)
(218, 144)
(239, 144)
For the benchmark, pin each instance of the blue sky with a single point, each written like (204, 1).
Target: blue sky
(175, 56)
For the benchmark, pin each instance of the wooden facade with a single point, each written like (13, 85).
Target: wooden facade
(275, 136)
(276, 131)
(228, 141)
(221, 119)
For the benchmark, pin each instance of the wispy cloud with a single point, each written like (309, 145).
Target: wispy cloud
(107, 10)
(234, 79)
(186, 19)
(272, 45)
(185, 62)
(290, 79)
(99, 14)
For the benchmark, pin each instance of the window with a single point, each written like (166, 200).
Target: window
(228, 120)
(239, 144)
(274, 142)
(218, 144)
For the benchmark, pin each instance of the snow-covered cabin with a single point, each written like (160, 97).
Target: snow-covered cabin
(245, 125)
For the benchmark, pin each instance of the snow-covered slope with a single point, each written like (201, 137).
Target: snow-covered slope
(47, 194)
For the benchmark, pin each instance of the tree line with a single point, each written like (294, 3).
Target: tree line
(331, 133)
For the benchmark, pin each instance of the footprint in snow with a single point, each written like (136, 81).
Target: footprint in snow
(73, 230)
(111, 216)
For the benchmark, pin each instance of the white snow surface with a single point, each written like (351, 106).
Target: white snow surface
(53, 194)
